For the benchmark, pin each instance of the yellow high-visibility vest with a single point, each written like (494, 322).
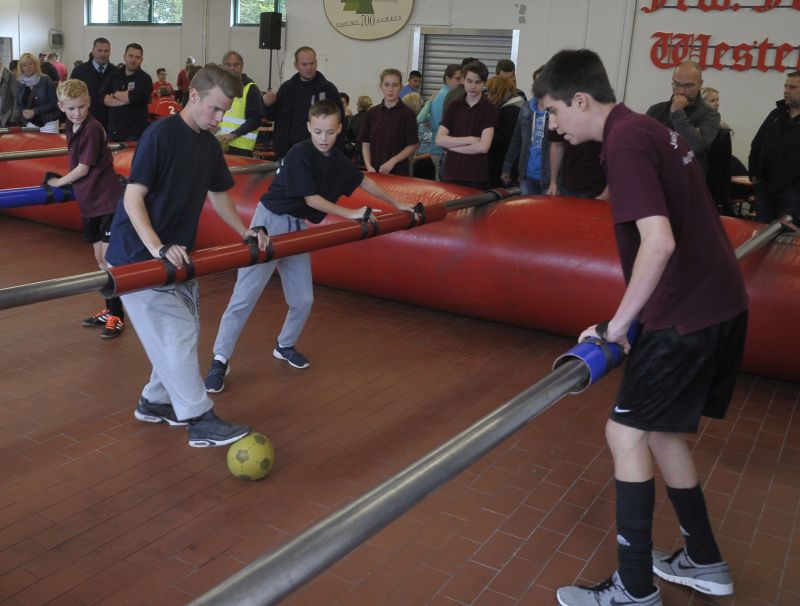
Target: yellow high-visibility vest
(234, 118)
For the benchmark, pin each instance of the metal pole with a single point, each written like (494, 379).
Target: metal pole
(15, 296)
(9, 130)
(47, 153)
(247, 169)
(762, 238)
(275, 575)
(152, 273)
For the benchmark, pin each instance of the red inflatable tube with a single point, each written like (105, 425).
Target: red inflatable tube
(545, 263)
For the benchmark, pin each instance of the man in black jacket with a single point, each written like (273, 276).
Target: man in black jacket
(289, 108)
(775, 156)
(94, 73)
(127, 93)
(686, 113)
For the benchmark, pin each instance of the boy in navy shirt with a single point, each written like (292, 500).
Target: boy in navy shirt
(313, 175)
(177, 163)
(685, 288)
(96, 186)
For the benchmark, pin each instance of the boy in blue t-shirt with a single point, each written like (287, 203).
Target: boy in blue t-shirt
(178, 162)
(312, 177)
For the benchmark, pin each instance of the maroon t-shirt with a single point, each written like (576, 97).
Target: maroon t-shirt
(388, 131)
(652, 171)
(97, 193)
(461, 120)
(581, 170)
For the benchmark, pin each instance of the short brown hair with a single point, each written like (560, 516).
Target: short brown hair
(390, 71)
(213, 75)
(323, 108)
(302, 49)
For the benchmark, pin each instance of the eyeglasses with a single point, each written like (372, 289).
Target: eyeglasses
(684, 85)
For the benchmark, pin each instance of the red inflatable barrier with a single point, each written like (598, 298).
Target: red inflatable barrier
(545, 263)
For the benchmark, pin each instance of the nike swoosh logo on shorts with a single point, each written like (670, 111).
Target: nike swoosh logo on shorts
(619, 410)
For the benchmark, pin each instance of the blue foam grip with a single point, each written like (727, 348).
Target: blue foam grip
(32, 196)
(598, 356)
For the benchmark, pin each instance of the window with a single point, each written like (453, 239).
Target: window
(135, 12)
(248, 12)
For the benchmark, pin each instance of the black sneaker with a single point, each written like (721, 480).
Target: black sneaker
(291, 355)
(154, 412)
(98, 319)
(215, 379)
(209, 430)
(113, 327)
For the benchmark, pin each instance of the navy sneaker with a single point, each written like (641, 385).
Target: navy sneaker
(291, 355)
(215, 379)
(209, 430)
(711, 579)
(154, 412)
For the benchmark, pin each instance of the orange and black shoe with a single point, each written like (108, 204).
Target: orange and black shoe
(98, 319)
(113, 327)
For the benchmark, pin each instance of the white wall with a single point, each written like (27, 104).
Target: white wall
(27, 23)
(619, 30)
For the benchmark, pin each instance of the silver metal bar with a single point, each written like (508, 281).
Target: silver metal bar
(24, 294)
(762, 238)
(19, 129)
(47, 153)
(276, 574)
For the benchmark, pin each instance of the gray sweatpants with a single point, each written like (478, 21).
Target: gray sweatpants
(167, 321)
(298, 290)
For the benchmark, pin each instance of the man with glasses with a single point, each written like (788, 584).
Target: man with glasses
(686, 113)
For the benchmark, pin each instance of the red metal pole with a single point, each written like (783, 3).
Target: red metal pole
(147, 274)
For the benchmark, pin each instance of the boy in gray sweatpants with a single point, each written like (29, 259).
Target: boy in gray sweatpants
(178, 162)
(312, 177)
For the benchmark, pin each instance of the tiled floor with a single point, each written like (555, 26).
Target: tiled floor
(97, 508)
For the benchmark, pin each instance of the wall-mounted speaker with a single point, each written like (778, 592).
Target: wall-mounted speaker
(269, 31)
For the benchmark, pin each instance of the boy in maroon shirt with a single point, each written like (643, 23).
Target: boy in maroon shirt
(685, 288)
(389, 133)
(96, 186)
(466, 131)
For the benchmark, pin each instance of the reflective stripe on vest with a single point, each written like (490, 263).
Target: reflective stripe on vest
(234, 118)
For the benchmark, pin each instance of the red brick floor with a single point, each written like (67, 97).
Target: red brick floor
(97, 508)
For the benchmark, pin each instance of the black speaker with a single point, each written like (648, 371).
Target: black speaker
(269, 31)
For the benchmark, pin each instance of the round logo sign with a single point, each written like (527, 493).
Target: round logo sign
(368, 19)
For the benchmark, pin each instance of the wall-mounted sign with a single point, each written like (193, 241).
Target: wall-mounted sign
(671, 48)
(368, 19)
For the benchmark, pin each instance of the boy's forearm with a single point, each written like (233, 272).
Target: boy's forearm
(77, 173)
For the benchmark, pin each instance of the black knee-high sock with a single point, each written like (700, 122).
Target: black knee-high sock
(114, 306)
(690, 507)
(635, 505)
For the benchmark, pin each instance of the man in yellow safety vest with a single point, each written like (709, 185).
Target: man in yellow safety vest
(239, 126)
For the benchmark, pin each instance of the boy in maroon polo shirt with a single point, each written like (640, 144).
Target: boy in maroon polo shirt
(466, 131)
(96, 186)
(685, 288)
(389, 133)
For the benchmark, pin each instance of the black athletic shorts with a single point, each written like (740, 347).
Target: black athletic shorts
(671, 380)
(97, 229)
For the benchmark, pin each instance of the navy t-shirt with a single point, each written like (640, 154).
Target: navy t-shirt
(178, 166)
(305, 171)
(652, 171)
